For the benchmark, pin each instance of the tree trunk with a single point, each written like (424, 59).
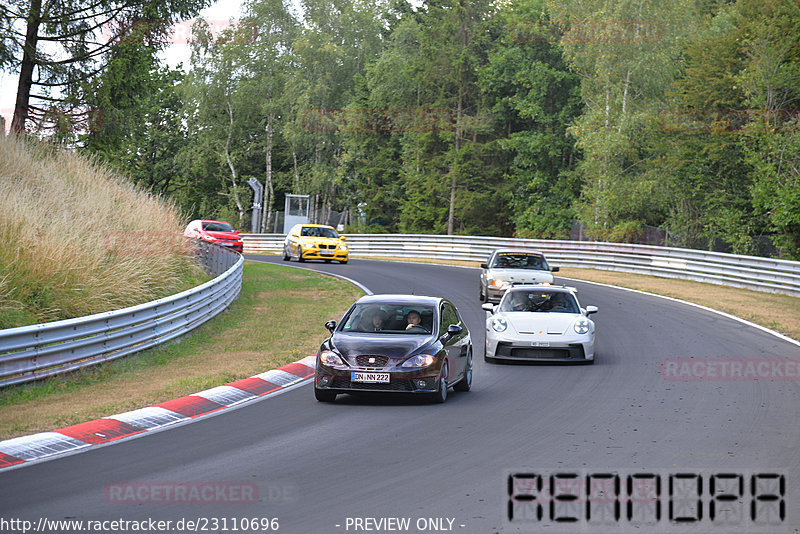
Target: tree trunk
(296, 174)
(269, 200)
(454, 166)
(234, 174)
(26, 68)
(626, 85)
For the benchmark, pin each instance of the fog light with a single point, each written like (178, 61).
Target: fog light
(422, 383)
(324, 379)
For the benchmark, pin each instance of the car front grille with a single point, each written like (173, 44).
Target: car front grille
(573, 352)
(394, 385)
(378, 362)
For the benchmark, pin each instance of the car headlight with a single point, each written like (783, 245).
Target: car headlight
(498, 283)
(420, 360)
(499, 324)
(330, 358)
(581, 326)
(342, 247)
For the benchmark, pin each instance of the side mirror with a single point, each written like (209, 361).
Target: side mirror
(554, 269)
(343, 238)
(293, 235)
(488, 306)
(331, 326)
(453, 330)
(484, 266)
(591, 309)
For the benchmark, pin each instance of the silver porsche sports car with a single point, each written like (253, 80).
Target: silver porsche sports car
(539, 323)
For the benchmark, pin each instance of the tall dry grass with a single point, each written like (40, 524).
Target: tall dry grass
(75, 239)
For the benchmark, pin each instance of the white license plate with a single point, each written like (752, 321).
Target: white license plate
(380, 378)
(326, 252)
(224, 244)
(540, 344)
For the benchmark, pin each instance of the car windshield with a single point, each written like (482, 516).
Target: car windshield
(537, 300)
(217, 227)
(516, 260)
(389, 319)
(315, 231)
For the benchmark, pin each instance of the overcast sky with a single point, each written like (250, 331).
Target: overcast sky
(218, 16)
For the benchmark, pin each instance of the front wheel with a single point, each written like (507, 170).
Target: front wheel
(466, 381)
(286, 256)
(342, 261)
(441, 394)
(324, 396)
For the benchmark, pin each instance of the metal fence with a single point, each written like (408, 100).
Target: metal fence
(41, 350)
(750, 272)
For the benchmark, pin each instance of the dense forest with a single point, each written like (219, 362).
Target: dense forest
(507, 118)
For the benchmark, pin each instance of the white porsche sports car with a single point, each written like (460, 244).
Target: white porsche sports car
(539, 323)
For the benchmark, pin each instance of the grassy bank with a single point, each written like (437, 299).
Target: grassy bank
(278, 318)
(78, 239)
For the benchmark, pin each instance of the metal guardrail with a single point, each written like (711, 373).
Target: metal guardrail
(42, 350)
(750, 272)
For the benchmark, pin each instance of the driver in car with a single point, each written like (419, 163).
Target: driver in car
(414, 319)
(519, 302)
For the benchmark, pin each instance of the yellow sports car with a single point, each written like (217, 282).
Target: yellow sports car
(315, 242)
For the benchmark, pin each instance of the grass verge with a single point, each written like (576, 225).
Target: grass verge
(79, 239)
(777, 312)
(277, 319)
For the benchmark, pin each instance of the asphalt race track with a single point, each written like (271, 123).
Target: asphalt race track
(322, 468)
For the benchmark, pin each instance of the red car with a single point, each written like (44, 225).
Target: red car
(218, 232)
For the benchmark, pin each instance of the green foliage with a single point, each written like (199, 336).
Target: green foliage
(511, 118)
(534, 99)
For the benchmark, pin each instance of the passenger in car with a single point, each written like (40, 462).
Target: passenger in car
(560, 303)
(375, 322)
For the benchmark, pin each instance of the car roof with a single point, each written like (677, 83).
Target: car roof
(400, 299)
(517, 251)
(548, 287)
(304, 225)
(212, 220)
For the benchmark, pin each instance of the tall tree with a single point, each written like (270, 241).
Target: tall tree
(771, 144)
(339, 38)
(269, 61)
(534, 98)
(222, 115)
(65, 42)
(626, 53)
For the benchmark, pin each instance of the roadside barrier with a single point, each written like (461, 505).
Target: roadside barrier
(46, 349)
(750, 272)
